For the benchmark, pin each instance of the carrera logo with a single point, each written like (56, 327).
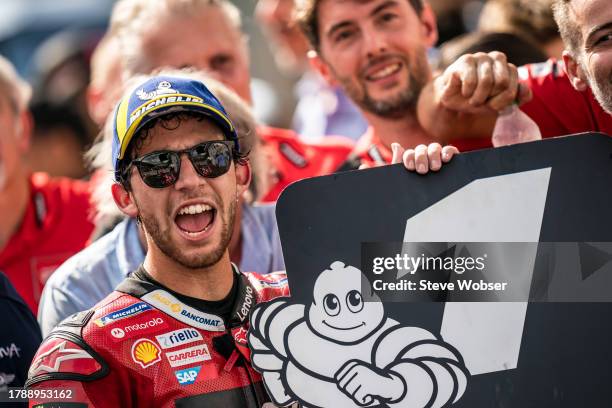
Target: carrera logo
(189, 355)
(130, 311)
(188, 375)
(145, 353)
(178, 338)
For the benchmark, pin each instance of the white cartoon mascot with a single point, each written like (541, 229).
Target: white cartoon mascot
(340, 351)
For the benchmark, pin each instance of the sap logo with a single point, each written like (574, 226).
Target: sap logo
(178, 338)
(188, 375)
(201, 319)
(132, 310)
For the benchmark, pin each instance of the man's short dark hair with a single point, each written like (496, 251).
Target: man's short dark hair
(306, 15)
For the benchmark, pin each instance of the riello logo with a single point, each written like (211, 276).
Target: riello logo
(178, 337)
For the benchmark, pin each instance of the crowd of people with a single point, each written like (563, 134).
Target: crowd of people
(174, 234)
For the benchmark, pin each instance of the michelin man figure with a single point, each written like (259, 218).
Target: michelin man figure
(340, 351)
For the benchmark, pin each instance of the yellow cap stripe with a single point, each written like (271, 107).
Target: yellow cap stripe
(125, 141)
(122, 119)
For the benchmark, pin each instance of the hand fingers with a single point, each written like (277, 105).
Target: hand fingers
(398, 152)
(448, 152)
(434, 152)
(345, 369)
(257, 344)
(346, 381)
(469, 76)
(508, 96)
(486, 80)
(420, 159)
(451, 87)
(524, 94)
(361, 396)
(353, 385)
(266, 362)
(501, 72)
(408, 159)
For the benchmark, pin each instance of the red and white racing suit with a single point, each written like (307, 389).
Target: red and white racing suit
(143, 347)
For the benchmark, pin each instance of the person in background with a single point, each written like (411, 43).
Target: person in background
(224, 56)
(19, 337)
(530, 20)
(525, 31)
(44, 220)
(321, 110)
(569, 96)
(58, 141)
(377, 51)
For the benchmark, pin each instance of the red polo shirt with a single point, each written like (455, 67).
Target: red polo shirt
(55, 226)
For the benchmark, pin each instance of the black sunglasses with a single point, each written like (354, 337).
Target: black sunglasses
(161, 168)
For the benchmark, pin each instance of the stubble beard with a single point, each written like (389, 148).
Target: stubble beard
(602, 90)
(172, 251)
(399, 105)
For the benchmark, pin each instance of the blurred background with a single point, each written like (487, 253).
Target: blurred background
(51, 43)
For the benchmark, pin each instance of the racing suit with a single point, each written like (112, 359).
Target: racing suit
(144, 347)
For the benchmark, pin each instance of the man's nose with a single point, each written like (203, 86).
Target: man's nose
(188, 177)
(375, 42)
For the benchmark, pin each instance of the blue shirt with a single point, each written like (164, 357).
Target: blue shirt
(92, 274)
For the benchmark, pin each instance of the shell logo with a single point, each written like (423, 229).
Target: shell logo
(146, 353)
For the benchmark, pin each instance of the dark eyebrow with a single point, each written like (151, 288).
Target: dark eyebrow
(347, 23)
(596, 30)
(383, 6)
(337, 27)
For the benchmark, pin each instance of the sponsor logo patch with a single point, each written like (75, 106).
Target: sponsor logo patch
(188, 375)
(165, 302)
(139, 327)
(129, 311)
(145, 353)
(117, 333)
(275, 284)
(240, 336)
(189, 355)
(178, 338)
(9, 351)
(63, 356)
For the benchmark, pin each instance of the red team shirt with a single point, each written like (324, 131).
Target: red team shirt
(557, 107)
(295, 159)
(54, 227)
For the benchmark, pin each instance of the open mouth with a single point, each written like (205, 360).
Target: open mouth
(384, 72)
(343, 328)
(195, 219)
